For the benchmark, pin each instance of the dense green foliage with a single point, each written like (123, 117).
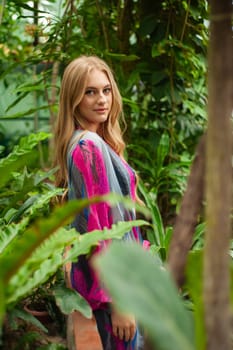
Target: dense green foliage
(158, 53)
(157, 50)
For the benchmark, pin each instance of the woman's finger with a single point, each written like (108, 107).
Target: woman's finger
(121, 333)
(115, 331)
(127, 335)
(132, 332)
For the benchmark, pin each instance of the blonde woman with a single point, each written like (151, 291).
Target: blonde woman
(89, 153)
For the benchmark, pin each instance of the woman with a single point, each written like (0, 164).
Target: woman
(89, 153)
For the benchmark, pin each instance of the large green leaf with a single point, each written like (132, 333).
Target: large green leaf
(2, 302)
(194, 284)
(17, 158)
(22, 247)
(158, 234)
(68, 300)
(140, 285)
(122, 57)
(48, 257)
(9, 232)
(25, 281)
(26, 112)
(84, 242)
(162, 150)
(26, 316)
(32, 206)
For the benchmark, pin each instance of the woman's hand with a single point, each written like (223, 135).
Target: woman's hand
(123, 326)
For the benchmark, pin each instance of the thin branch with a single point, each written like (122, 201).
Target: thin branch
(185, 21)
(104, 29)
(36, 122)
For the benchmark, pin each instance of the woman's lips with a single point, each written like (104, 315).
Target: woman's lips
(100, 110)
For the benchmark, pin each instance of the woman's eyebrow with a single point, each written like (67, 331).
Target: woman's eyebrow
(96, 88)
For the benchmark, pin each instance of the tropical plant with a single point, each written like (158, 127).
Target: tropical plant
(152, 297)
(163, 178)
(164, 90)
(157, 233)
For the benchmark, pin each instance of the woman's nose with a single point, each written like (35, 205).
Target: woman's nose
(101, 98)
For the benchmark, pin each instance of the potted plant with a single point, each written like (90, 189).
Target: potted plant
(42, 302)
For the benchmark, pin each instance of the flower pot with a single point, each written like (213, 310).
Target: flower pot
(42, 315)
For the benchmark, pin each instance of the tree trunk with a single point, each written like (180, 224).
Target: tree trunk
(187, 219)
(218, 178)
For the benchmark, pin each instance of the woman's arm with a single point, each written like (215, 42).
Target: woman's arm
(90, 161)
(88, 178)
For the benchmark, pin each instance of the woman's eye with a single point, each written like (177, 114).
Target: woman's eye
(107, 91)
(92, 92)
(89, 92)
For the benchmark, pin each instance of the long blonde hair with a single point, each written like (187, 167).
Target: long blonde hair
(72, 91)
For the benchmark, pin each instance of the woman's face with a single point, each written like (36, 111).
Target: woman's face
(96, 103)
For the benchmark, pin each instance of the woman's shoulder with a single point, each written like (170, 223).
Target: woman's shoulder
(87, 137)
(92, 136)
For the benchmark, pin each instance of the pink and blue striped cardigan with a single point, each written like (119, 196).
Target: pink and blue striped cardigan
(95, 169)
